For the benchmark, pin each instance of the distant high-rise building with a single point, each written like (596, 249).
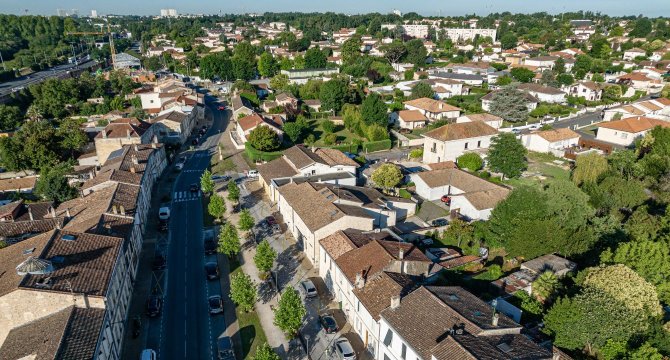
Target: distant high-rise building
(61, 12)
(94, 13)
(397, 12)
(168, 13)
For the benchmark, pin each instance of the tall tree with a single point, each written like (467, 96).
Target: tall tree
(233, 191)
(10, 117)
(522, 74)
(229, 240)
(53, 185)
(351, 49)
(422, 90)
(72, 138)
(588, 168)
(374, 110)
(394, 51)
(265, 352)
(246, 221)
(216, 206)
(267, 65)
(387, 176)
(641, 29)
(507, 155)
(510, 104)
(333, 94)
(244, 61)
(265, 256)
(416, 52)
(290, 312)
(264, 139)
(206, 182)
(243, 291)
(508, 41)
(315, 59)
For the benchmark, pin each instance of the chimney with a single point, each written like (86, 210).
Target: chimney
(122, 210)
(441, 105)
(134, 158)
(401, 254)
(128, 133)
(30, 213)
(360, 279)
(67, 213)
(494, 321)
(136, 148)
(58, 225)
(52, 211)
(114, 211)
(153, 145)
(104, 134)
(91, 174)
(395, 301)
(132, 169)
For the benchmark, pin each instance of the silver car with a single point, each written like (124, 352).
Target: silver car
(344, 349)
(309, 289)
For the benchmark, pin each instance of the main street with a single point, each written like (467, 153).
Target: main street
(185, 329)
(8, 87)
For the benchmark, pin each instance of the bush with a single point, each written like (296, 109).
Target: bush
(416, 154)
(328, 126)
(470, 161)
(257, 155)
(404, 194)
(372, 146)
(330, 139)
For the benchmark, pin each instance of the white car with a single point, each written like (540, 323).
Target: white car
(344, 349)
(179, 166)
(309, 289)
(148, 354)
(164, 213)
(252, 173)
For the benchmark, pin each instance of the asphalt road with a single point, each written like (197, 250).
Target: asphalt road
(37, 77)
(186, 330)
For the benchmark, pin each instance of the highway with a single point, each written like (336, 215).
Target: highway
(186, 330)
(6, 88)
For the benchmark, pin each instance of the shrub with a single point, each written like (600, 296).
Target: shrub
(471, 161)
(330, 139)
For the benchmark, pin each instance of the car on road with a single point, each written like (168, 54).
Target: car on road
(446, 199)
(160, 262)
(180, 164)
(210, 246)
(309, 289)
(212, 271)
(154, 305)
(195, 187)
(534, 127)
(148, 354)
(164, 213)
(222, 107)
(344, 349)
(225, 348)
(516, 131)
(328, 323)
(215, 304)
(440, 222)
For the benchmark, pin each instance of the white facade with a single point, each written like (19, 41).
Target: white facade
(397, 349)
(435, 151)
(464, 34)
(618, 137)
(417, 31)
(535, 142)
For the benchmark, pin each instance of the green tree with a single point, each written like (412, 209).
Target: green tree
(376, 132)
(522, 74)
(264, 139)
(244, 61)
(246, 221)
(267, 65)
(568, 204)
(206, 182)
(374, 111)
(622, 193)
(588, 168)
(265, 256)
(351, 49)
(328, 126)
(315, 59)
(508, 41)
(233, 191)
(243, 291)
(545, 285)
(265, 352)
(641, 29)
(72, 138)
(295, 130)
(10, 117)
(332, 94)
(387, 176)
(394, 51)
(646, 352)
(34, 146)
(53, 185)
(279, 82)
(216, 206)
(510, 104)
(507, 155)
(422, 90)
(416, 52)
(229, 240)
(471, 161)
(289, 312)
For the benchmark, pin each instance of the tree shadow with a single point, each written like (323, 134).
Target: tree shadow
(247, 337)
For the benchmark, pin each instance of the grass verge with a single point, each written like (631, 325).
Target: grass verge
(251, 331)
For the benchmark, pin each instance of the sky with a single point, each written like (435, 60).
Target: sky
(652, 8)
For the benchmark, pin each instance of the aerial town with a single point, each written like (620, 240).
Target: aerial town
(380, 185)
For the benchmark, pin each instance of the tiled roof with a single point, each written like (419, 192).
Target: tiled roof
(337, 244)
(634, 124)
(13, 255)
(503, 347)
(459, 131)
(27, 182)
(559, 134)
(411, 116)
(485, 117)
(486, 199)
(313, 207)
(175, 116)
(433, 106)
(537, 88)
(17, 229)
(299, 156)
(277, 168)
(376, 256)
(377, 292)
(126, 127)
(71, 333)
(334, 157)
(250, 121)
(86, 263)
(480, 193)
(529, 98)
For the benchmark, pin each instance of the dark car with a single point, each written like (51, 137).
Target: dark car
(440, 222)
(446, 199)
(212, 271)
(159, 262)
(271, 220)
(194, 187)
(225, 348)
(215, 305)
(203, 128)
(328, 323)
(162, 226)
(210, 247)
(154, 306)
(194, 142)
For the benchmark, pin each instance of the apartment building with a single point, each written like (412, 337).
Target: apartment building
(450, 141)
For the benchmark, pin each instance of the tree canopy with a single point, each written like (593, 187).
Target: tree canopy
(507, 155)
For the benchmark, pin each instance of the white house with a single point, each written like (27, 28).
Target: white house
(588, 90)
(174, 125)
(247, 124)
(544, 93)
(450, 141)
(631, 54)
(541, 62)
(651, 108)
(411, 119)
(471, 196)
(299, 163)
(489, 119)
(553, 141)
(433, 109)
(626, 131)
(313, 211)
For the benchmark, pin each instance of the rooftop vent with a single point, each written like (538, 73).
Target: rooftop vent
(34, 266)
(504, 347)
(28, 251)
(453, 297)
(69, 237)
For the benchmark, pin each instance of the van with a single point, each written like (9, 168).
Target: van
(252, 173)
(225, 348)
(148, 354)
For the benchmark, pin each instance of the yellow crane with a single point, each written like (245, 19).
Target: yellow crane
(108, 33)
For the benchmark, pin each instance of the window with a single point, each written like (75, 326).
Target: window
(388, 338)
(403, 351)
(479, 143)
(466, 146)
(433, 147)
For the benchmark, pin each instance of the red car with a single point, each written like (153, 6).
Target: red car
(222, 107)
(446, 199)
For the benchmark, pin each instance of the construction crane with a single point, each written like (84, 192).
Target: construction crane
(108, 33)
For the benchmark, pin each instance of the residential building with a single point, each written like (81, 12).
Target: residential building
(589, 90)
(300, 76)
(471, 196)
(531, 101)
(530, 270)
(25, 184)
(641, 81)
(658, 108)
(241, 107)
(313, 211)
(633, 53)
(433, 109)
(464, 34)
(489, 119)
(450, 141)
(170, 93)
(541, 62)
(553, 141)
(411, 119)
(300, 163)
(20, 220)
(448, 322)
(476, 68)
(418, 31)
(247, 124)
(173, 126)
(624, 132)
(120, 132)
(544, 93)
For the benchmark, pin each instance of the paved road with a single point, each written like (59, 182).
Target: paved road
(56, 71)
(185, 330)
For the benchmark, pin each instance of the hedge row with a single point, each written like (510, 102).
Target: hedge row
(257, 155)
(372, 146)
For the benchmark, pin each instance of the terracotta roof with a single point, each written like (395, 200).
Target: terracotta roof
(13, 255)
(430, 105)
(23, 183)
(443, 165)
(277, 168)
(412, 116)
(314, 208)
(376, 294)
(125, 127)
(334, 157)
(250, 121)
(664, 101)
(337, 244)
(459, 131)
(18, 229)
(485, 117)
(504, 347)
(376, 256)
(559, 134)
(486, 199)
(459, 261)
(537, 88)
(71, 333)
(634, 124)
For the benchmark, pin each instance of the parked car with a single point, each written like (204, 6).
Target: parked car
(225, 348)
(217, 178)
(154, 305)
(195, 187)
(164, 213)
(309, 289)
(215, 305)
(252, 173)
(516, 131)
(163, 225)
(222, 107)
(328, 323)
(344, 349)
(212, 271)
(160, 262)
(534, 127)
(210, 246)
(446, 199)
(148, 354)
(440, 222)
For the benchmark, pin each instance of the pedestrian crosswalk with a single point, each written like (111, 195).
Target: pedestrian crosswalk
(182, 196)
(193, 171)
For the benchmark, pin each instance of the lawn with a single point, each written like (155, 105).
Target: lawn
(251, 331)
(220, 167)
(541, 168)
(343, 135)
